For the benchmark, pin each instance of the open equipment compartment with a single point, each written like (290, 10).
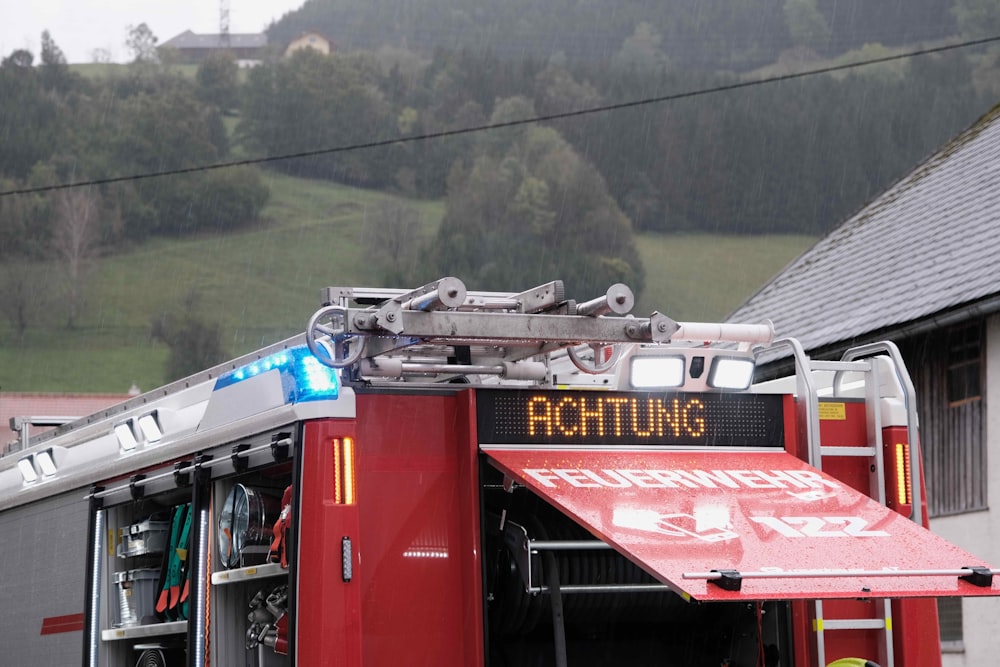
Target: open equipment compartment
(140, 544)
(251, 490)
(156, 546)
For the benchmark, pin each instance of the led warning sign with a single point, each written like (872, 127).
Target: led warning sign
(514, 416)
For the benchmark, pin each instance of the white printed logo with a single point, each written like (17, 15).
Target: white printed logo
(815, 526)
(677, 525)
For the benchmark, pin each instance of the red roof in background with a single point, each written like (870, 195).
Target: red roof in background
(49, 405)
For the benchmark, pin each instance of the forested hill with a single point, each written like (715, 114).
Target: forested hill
(697, 34)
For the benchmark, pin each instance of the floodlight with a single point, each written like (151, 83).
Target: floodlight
(149, 425)
(126, 436)
(731, 372)
(27, 469)
(649, 372)
(46, 462)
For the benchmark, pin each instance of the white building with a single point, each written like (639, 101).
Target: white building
(920, 265)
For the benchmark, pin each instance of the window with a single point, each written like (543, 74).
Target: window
(950, 619)
(946, 367)
(964, 364)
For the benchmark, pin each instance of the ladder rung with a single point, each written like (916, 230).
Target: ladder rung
(847, 451)
(853, 623)
(858, 366)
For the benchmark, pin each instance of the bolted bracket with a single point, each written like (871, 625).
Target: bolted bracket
(729, 580)
(136, 490)
(979, 576)
(240, 463)
(280, 444)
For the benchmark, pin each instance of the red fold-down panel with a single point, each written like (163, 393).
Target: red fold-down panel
(776, 527)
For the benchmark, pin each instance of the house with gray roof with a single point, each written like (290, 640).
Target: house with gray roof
(920, 265)
(192, 48)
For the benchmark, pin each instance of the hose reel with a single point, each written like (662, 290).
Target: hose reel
(595, 582)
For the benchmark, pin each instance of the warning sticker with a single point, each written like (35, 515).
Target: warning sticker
(832, 411)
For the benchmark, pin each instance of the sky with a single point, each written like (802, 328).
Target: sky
(81, 26)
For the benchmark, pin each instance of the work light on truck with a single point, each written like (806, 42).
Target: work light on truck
(126, 436)
(46, 462)
(649, 372)
(731, 372)
(27, 468)
(150, 427)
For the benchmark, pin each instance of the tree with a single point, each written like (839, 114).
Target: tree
(390, 237)
(641, 50)
(220, 201)
(54, 70)
(141, 43)
(531, 210)
(218, 83)
(806, 24)
(195, 342)
(51, 53)
(19, 58)
(32, 124)
(312, 101)
(75, 242)
(165, 131)
(978, 18)
(24, 294)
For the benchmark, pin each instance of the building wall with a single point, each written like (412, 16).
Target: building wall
(978, 532)
(309, 41)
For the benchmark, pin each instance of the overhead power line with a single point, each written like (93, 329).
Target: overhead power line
(524, 121)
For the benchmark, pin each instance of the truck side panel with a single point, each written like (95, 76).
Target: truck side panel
(44, 567)
(421, 579)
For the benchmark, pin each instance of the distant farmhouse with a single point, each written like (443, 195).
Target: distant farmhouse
(310, 40)
(248, 49)
(192, 49)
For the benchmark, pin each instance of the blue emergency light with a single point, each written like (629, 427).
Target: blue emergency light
(303, 377)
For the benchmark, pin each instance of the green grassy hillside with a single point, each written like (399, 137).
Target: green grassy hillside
(704, 277)
(262, 285)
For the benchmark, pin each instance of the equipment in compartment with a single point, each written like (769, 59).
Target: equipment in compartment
(136, 595)
(245, 526)
(155, 655)
(268, 619)
(146, 537)
(173, 586)
(278, 553)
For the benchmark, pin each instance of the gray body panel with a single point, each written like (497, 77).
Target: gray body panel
(43, 576)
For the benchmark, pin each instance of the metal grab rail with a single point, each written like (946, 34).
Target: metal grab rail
(909, 397)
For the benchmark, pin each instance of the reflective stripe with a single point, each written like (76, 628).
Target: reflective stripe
(53, 625)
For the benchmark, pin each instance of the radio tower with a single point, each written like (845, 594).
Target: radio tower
(224, 23)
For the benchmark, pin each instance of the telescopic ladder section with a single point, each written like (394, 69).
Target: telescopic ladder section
(860, 360)
(442, 330)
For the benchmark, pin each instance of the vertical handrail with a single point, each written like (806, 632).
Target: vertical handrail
(95, 568)
(874, 424)
(808, 404)
(909, 398)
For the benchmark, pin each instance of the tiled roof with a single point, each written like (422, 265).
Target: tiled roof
(928, 244)
(49, 405)
(190, 40)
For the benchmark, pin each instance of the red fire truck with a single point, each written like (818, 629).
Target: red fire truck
(444, 477)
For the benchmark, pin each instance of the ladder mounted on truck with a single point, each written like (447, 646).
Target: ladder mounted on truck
(441, 329)
(869, 362)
